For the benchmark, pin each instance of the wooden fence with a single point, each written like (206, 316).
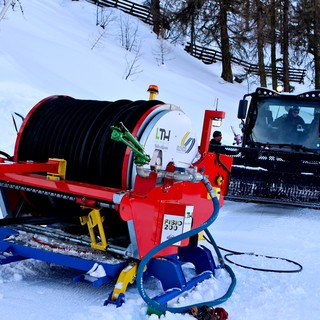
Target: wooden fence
(209, 56)
(134, 9)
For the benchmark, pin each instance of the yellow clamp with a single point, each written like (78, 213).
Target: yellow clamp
(217, 191)
(126, 276)
(92, 220)
(62, 168)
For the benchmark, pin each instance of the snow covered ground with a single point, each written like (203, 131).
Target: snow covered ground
(55, 47)
(32, 290)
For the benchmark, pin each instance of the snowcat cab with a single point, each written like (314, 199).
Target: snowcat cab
(278, 161)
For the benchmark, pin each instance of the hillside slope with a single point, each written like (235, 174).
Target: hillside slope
(56, 48)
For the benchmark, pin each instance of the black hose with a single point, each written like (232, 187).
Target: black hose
(79, 131)
(237, 253)
(6, 155)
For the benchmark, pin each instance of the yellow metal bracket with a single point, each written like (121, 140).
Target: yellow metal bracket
(126, 276)
(217, 190)
(62, 167)
(95, 220)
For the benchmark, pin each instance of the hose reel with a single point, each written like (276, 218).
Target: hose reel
(79, 131)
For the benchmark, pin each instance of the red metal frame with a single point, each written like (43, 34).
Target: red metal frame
(78, 189)
(148, 202)
(51, 166)
(146, 208)
(209, 116)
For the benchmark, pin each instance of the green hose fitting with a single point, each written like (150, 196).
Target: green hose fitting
(121, 133)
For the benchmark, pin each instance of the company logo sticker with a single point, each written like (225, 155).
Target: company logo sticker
(162, 134)
(186, 143)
